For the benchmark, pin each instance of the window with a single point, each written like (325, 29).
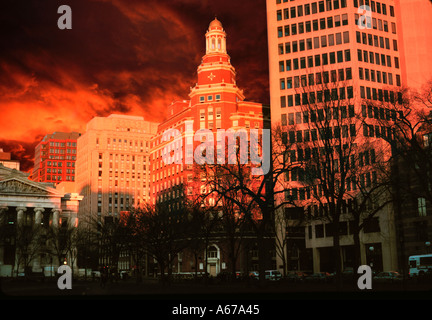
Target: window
(283, 120)
(331, 39)
(279, 15)
(346, 37)
(322, 24)
(281, 66)
(421, 202)
(283, 101)
(289, 82)
(337, 21)
(316, 43)
(345, 19)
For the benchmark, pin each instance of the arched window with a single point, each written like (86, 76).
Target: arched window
(212, 252)
(213, 44)
(219, 44)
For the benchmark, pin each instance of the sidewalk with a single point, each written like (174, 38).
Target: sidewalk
(151, 289)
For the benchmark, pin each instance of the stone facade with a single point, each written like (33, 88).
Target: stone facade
(27, 210)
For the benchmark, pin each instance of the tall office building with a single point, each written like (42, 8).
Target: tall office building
(113, 165)
(55, 158)
(345, 62)
(415, 41)
(316, 42)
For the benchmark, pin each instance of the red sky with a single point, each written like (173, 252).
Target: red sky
(132, 57)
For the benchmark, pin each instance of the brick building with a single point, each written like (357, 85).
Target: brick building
(215, 103)
(55, 158)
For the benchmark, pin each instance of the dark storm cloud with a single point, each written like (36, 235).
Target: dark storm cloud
(121, 56)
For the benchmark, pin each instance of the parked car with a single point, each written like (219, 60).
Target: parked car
(387, 277)
(295, 276)
(254, 275)
(319, 277)
(124, 275)
(273, 275)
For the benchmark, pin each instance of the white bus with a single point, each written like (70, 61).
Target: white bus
(420, 264)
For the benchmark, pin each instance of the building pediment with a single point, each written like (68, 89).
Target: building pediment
(19, 186)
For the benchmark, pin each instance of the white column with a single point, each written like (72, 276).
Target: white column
(38, 216)
(38, 220)
(20, 220)
(55, 217)
(20, 214)
(3, 211)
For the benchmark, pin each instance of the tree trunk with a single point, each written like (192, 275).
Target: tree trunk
(337, 254)
(357, 249)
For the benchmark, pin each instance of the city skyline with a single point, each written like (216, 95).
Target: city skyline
(64, 78)
(281, 141)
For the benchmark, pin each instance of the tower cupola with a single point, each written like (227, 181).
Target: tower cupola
(215, 38)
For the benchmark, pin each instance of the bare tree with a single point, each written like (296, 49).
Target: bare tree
(252, 196)
(162, 232)
(329, 149)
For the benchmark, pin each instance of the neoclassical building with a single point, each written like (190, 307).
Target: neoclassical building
(25, 206)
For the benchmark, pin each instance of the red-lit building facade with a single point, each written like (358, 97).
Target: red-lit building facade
(55, 158)
(215, 102)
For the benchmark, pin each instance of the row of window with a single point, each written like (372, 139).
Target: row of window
(327, 5)
(340, 93)
(373, 40)
(314, 43)
(366, 180)
(378, 76)
(313, 25)
(376, 24)
(67, 157)
(62, 151)
(336, 132)
(380, 94)
(365, 158)
(370, 130)
(314, 61)
(375, 6)
(309, 8)
(54, 170)
(132, 143)
(326, 95)
(329, 133)
(59, 164)
(317, 78)
(217, 97)
(336, 113)
(376, 58)
(345, 228)
(62, 144)
(59, 178)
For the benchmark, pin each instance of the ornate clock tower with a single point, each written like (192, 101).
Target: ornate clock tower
(216, 75)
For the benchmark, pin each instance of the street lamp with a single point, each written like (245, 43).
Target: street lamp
(427, 243)
(371, 249)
